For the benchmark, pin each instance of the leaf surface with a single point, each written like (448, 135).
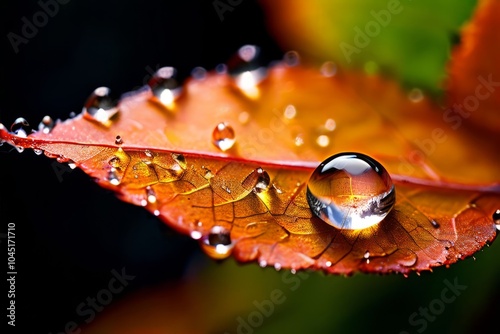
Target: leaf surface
(447, 191)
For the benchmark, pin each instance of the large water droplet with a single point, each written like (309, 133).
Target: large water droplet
(46, 125)
(223, 136)
(350, 191)
(20, 127)
(217, 243)
(164, 86)
(100, 106)
(246, 69)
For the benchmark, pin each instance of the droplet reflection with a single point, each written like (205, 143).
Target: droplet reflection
(350, 191)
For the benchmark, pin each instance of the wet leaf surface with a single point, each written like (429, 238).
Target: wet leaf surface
(226, 159)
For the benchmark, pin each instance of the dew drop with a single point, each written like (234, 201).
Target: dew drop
(258, 180)
(330, 124)
(328, 69)
(20, 149)
(100, 106)
(350, 191)
(118, 140)
(114, 162)
(199, 73)
(246, 70)
(71, 164)
(223, 136)
(164, 86)
(20, 127)
(37, 151)
(46, 125)
(217, 243)
(290, 111)
(150, 193)
(146, 157)
(277, 266)
(299, 140)
(291, 58)
(416, 95)
(323, 141)
(243, 117)
(496, 218)
(434, 223)
(180, 160)
(112, 178)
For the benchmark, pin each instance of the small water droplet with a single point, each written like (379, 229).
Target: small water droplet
(223, 136)
(416, 95)
(277, 188)
(217, 243)
(196, 235)
(277, 266)
(71, 164)
(147, 157)
(20, 127)
(328, 263)
(290, 111)
(291, 58)
(100, 106)
(181, 161)
(328, 69)
(330, 124)
(207, 173)
(37, 151)
(258, 180)
(246, 69)
(263, 263)
(243, 117)
(323, 141)
(199, 73)
(114, 162)
(164, 86)
(118, 140)
(144, 202)
(434, 223)
(156, 212)
(350, 191)
(299, 140)
(20, 149)
(46, 125)
(367, 256)
(150, 193)
(112, 178)
(496, 218)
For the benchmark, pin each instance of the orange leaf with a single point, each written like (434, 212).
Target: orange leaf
(249, 198)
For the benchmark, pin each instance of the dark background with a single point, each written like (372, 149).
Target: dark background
(71, 234)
